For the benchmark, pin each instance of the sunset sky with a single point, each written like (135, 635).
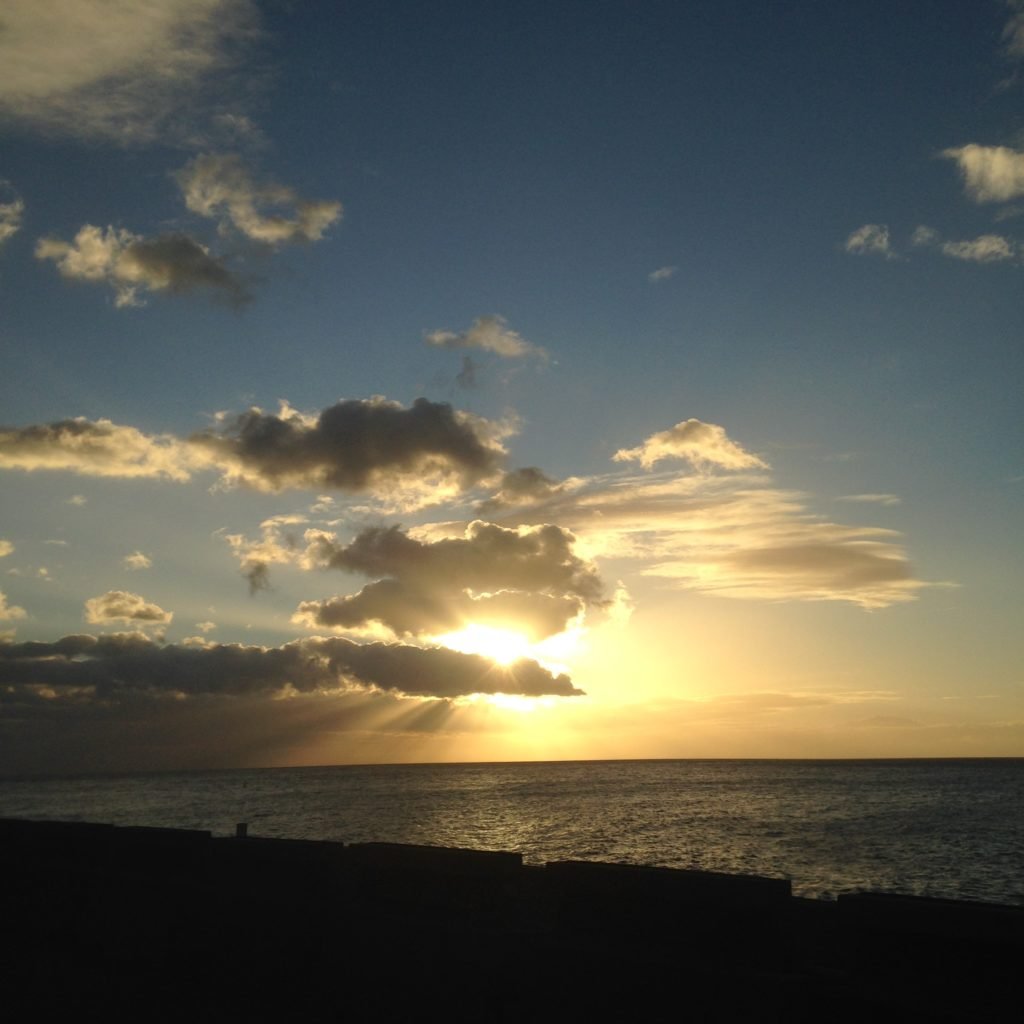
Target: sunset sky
(485, 380)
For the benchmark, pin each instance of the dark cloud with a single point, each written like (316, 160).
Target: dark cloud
(411, 456)
(528, 579)
(357, 445)
(466, 377)
(523, 486)
(179, 264)
(118, 667)
(257, 575)
(131, 264)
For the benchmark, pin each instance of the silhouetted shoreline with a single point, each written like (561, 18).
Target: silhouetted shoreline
(156, 923)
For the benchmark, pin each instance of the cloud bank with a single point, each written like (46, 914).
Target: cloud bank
(123, 666)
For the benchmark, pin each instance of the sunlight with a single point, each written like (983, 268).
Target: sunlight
(500, 645)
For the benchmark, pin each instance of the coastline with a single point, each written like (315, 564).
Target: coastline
(177, 923)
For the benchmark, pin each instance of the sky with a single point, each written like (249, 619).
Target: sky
(509, 381)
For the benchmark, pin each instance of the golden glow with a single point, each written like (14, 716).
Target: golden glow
(501, 645)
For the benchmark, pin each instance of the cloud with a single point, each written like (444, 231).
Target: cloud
(11, 209)
(924, 236)
(129, 263)
(123, 606)
(662, 274)
(6, 547)
(734, 536)
(219, 186)
(116, 667)
(206, 627)
(527, 579)
(8, 612)
(78, 500)
(992, 174)
(489, 334)
(93, 448)
(413, 456)
(137, 560)
(1013, 30)
(983, 249)
(520, 487)
(701, 444)
(127, 71)
(870, 240)
(877, 499)
(417, 455)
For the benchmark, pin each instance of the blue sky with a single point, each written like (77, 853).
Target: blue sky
(738, 285)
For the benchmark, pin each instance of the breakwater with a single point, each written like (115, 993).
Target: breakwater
(168, 923)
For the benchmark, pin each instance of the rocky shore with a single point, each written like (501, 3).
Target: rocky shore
(154, 924)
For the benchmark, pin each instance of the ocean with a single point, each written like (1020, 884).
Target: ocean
(945, 828)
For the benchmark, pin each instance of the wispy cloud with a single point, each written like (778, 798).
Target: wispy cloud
(221, 187)
(870, 240)
(136, 561)
(662, 274)
(873, 499)
(12, 208)
(983, 249)
(6, 548)
(489, 334)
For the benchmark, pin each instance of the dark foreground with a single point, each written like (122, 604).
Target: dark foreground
(159, 924)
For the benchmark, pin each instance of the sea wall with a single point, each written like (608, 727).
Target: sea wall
(164, 923)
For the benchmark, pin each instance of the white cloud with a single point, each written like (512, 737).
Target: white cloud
(870, 240)
(983, 249)
(219, 186)
(992, 174)
(6, 547)
(127, 70)
(137, 560)
(75, 499)
(701, 444)
(129, 263)
(9, 612)
(490, 334)
(124, 606)
(206, 627)
(662, 274)
(12, 207)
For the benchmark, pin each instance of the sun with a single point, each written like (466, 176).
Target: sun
(500, 645)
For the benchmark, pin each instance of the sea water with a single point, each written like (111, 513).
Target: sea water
(949, 828)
